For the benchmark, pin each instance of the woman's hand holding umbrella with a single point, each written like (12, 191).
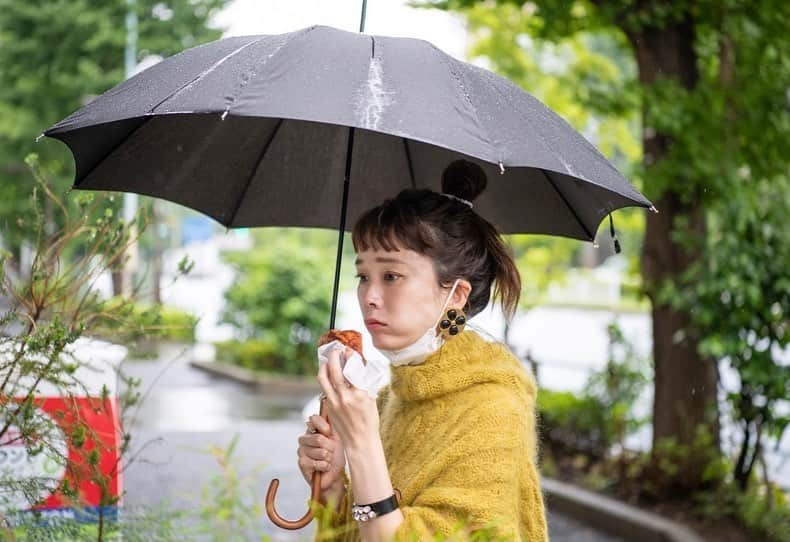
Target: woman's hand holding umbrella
(321, 450)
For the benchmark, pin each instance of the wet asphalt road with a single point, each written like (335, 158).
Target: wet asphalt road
(187, 412)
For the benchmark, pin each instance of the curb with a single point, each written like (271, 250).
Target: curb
(275, 385)
(614, 516)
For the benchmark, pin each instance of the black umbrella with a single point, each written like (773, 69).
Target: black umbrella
(254, 131)
(280, 130)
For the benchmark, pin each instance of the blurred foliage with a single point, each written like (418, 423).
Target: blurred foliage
(134, 321)
(765, 511)
(619, 385)
(571, 423)
(229, 508)
(254, 354)
(52, 304)
(739, 299)
(719, 120)
(657, 475)
(761, 507)
(541, 261)
(601, 416)
(283, 293)
(57, 55)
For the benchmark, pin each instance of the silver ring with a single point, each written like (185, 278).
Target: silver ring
(313, 430)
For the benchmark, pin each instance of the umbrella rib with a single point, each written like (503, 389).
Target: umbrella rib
(202, 74)
(254, 172)
(457, 77)
(568, 205)
(408, 159)
(543, 139)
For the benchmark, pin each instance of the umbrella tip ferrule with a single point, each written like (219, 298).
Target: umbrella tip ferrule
(653, 208)
(38, 138)
(501, 168)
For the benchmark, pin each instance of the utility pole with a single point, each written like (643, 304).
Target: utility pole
(130, 200)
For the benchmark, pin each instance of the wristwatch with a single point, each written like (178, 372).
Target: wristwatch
(366, 512)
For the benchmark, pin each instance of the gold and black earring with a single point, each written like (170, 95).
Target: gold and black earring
(453, 323)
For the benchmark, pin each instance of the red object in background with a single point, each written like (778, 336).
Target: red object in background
(84, 426)
(102, 434)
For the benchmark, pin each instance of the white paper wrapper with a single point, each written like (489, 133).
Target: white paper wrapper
(370, 377)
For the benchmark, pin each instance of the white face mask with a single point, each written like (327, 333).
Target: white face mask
(418, 351)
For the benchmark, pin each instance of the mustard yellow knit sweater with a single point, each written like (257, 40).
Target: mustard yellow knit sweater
(460, 440)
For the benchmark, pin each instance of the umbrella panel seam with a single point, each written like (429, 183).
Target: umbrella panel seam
(204, 73)
(568, 205)
(445, 60)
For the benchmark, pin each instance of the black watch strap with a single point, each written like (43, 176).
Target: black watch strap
(366, 512)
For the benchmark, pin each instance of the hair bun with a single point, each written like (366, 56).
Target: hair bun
(464, 179)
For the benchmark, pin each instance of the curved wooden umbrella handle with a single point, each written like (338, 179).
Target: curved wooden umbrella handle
(315, 493)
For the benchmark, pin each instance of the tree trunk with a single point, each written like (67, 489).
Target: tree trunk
(117, 283)
(156, 254)
(685, 383)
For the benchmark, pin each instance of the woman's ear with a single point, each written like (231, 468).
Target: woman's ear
(461, 294)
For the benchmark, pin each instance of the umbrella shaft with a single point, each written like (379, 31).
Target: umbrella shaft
(362, 18)
(342, 228)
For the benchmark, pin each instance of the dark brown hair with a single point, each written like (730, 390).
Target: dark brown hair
(461, 243)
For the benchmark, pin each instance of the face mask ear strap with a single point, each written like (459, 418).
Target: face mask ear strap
(446, 302)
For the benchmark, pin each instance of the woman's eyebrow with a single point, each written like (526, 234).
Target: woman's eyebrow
(380, 259)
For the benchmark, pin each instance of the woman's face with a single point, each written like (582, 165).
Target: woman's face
(399, 296)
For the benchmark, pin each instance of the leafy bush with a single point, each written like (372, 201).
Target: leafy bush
(738, 297)
(256, 355)
(571, 424)
(134, 321)
(282, 294)
(602, 415)
(52, 305)
(659, 475)
(618, 385)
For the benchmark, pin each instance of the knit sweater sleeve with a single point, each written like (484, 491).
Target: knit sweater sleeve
(487, 480)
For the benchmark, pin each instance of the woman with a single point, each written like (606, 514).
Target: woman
(454, 431)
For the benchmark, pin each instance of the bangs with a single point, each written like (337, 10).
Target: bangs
(390, 227)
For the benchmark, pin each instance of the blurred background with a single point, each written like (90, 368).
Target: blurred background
(664, 370)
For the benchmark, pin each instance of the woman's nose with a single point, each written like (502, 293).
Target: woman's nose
(371, 296)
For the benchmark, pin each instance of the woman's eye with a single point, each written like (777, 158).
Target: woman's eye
(362, 278)
(391, 276)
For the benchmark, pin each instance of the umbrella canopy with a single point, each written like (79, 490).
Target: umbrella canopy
(254, 131)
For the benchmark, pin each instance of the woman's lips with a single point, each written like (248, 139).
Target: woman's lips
(373, 324)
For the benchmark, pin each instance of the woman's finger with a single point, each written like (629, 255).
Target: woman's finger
(326, 385)
(319, 454)
(310, 428)
(320, 424)
(309, 465)
(315, 441)
(335, 371)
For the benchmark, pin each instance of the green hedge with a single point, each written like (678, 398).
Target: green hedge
(264, 356)
(127, 321)
(571, 424)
